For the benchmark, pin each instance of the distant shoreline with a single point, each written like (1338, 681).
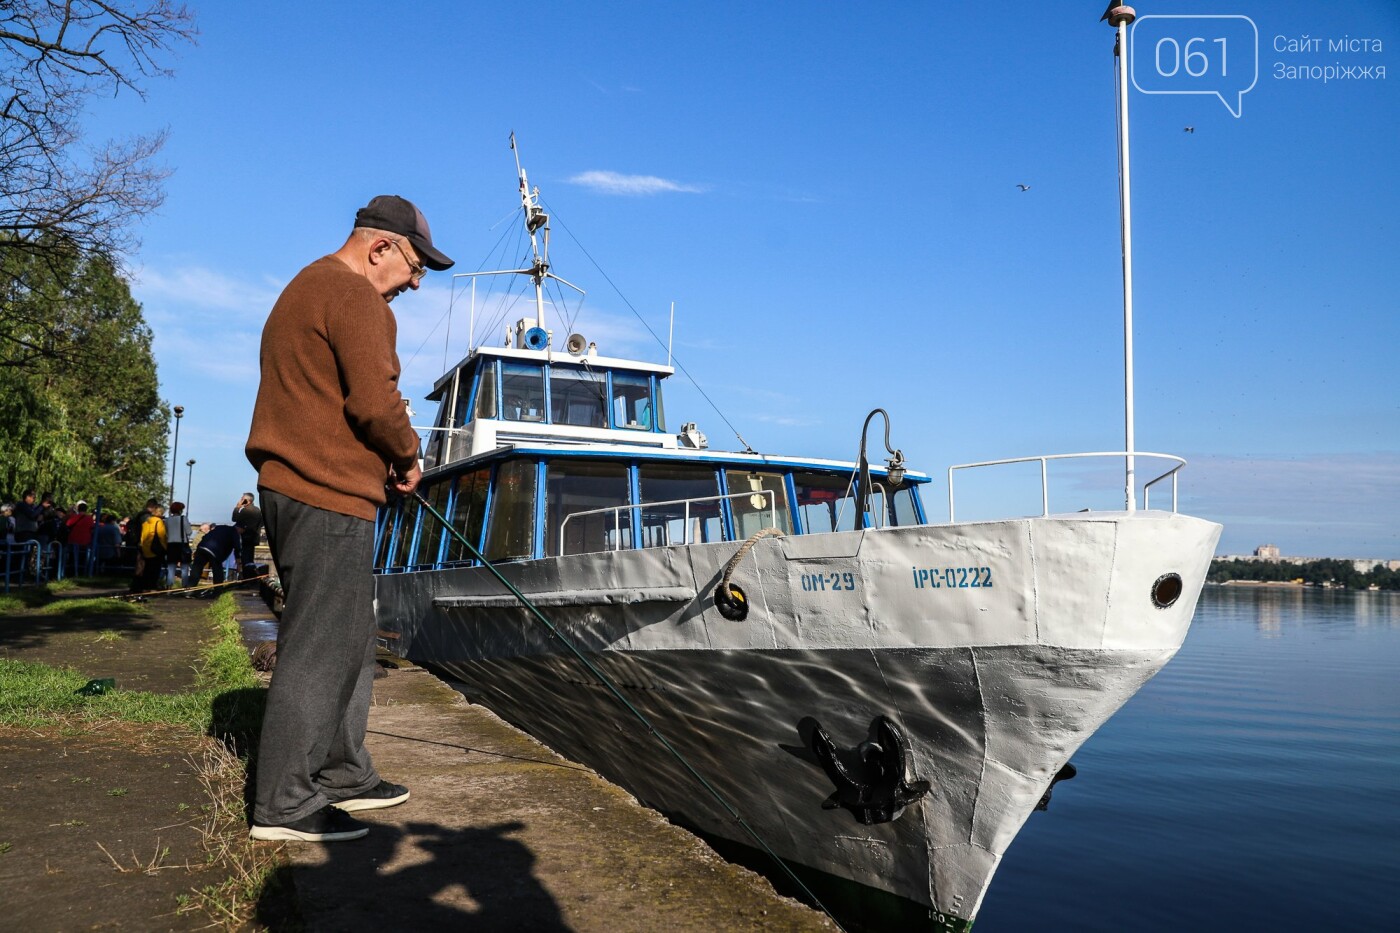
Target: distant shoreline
(1261, 583)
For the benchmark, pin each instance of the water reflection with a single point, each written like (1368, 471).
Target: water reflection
(1250, 785)
(1272, 608)
(254, 631)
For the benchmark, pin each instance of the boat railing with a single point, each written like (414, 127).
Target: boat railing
(617, 511)
(1044, 459)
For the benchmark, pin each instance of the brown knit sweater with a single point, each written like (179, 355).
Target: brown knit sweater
(329, 420)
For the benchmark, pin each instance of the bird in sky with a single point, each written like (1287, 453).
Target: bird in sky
(1188, 129)
(1024, 187)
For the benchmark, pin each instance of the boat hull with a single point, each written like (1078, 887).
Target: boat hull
(992, 687)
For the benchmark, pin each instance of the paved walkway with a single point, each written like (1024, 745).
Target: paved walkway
(502, 834)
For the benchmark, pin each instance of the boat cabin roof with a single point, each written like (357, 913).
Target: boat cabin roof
(500, 402)
(468, 363)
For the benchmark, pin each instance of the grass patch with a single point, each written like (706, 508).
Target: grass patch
(26, 597)
(108, 635)
(257, 872)
(95, 605)
(36, 695)
(226, 703)
(33, 597)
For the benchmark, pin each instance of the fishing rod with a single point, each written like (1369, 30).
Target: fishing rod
(191, 590)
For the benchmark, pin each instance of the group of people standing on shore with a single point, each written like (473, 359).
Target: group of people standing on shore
(38, 519)
(169, 554)
(164, 549)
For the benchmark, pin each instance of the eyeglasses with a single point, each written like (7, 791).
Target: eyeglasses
(416, 270)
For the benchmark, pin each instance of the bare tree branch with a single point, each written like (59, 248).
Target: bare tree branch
(56, 194)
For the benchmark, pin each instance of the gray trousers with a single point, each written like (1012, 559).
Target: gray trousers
(312, 748)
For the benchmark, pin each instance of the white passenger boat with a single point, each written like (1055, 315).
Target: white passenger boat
(879, 698)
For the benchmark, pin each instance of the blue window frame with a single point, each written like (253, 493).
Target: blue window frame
(524, 392)
(514, 518)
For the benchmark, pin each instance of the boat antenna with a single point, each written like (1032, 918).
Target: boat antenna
(535, 220)
(1120, 17)
(671, 337)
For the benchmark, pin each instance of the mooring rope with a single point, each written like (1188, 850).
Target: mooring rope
(733, 563)
(618, 695)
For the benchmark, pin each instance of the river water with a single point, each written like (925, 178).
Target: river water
(1254, 784)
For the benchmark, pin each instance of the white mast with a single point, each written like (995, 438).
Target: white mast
(535, 218)
(1120, 17)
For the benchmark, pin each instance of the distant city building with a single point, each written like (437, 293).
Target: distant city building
(1271, 552)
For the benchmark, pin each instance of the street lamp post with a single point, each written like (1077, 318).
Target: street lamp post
(189, 484)
(175, 450)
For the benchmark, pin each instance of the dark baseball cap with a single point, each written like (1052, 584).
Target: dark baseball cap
(394, 214)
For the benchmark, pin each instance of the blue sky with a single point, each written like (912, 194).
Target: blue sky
(828, 194)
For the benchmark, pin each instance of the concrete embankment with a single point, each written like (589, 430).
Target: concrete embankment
(503, 834)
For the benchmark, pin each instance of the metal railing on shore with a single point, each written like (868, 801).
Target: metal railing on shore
(36, 559)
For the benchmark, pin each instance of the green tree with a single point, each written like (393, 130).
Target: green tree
(1315, 572)
(88, 422)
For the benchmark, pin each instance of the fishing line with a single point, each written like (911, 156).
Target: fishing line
(617, 694)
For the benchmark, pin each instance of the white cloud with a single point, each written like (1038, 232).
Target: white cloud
(782, 420)
(228, 356)
(199, 287)
(617, 183)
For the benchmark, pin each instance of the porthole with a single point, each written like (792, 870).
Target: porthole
(1167, 590)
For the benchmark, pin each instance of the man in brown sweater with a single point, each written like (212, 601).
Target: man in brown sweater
(330, 431)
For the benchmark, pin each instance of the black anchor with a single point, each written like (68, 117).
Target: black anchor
(872, 780)
(1064, 774)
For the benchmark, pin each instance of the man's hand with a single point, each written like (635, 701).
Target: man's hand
(408, 482)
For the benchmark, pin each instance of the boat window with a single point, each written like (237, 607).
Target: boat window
(825, 502)
(684, 521)
(511, 535)
(578, 396)
(468, 514)
(403, 539)
(660, 409)
(902, 511)
(755, 511)
(430, 537)
(522, 388)
(433, 450)
(387, 520)
(486, 391)
(581, 486)
(631, 401)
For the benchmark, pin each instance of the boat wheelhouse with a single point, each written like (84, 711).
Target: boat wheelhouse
(537, 453)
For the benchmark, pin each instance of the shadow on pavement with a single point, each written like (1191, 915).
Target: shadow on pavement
(477, 878)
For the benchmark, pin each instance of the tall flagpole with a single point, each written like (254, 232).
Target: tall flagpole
(1120, 17)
